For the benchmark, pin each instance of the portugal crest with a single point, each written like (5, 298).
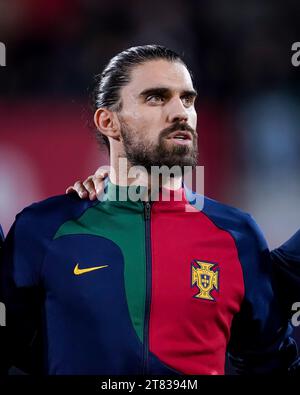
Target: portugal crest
(205, 278)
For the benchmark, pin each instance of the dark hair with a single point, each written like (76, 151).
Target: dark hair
(116, 75)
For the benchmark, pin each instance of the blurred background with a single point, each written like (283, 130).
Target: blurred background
(248, 105)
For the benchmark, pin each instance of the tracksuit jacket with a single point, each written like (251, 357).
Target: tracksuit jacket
(123, 286)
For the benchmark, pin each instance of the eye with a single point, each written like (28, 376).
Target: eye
(154, 99)
(188, 100)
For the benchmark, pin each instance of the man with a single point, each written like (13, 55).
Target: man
(139, 286)
(285, 259)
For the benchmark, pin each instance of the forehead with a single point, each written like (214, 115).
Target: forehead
(159, 73)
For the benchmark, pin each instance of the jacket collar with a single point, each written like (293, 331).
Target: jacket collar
(135, 196)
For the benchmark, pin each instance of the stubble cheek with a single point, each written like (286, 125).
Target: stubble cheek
(146, 126)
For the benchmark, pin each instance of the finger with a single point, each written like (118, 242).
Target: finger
(90, 187)
(98, 179)
(100, 172)
(70, 190)
(80, 189)
(99, 184)
(82, 193)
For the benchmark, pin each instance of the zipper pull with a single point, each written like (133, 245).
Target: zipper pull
(147, 210)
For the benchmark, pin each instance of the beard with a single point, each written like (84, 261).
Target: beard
(140, 152)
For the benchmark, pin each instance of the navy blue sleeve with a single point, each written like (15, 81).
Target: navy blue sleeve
(261, 339)
(286, 265)
(21, 294)
(21, 287)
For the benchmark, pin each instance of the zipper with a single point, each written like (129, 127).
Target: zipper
(147, 215)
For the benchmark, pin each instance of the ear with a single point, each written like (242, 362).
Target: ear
(107, 123)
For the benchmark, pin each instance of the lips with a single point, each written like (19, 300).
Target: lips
(180, 135)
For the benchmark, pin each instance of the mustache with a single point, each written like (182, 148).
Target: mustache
(178, 126)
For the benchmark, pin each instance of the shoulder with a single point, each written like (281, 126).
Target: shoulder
(240, 224)
(43, 218)
(221, 211)
(32, 233)
(232, 218)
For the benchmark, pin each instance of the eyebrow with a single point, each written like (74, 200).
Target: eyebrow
(165, 91)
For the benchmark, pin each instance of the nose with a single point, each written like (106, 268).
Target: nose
(176, 111)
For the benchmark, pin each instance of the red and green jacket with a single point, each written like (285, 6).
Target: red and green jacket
(133, 287)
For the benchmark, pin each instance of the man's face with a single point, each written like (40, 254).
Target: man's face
(158, 118)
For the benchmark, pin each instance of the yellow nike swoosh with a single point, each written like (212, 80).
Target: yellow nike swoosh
(78, 271)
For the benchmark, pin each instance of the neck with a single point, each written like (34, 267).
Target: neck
(124, 174)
